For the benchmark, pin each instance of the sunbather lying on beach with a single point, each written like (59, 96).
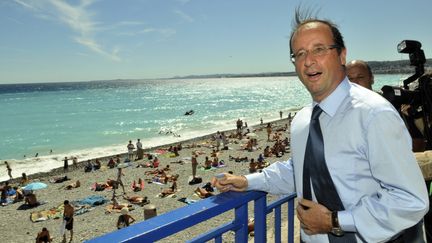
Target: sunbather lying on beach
(154, 172)
(73, 185)
(202, 193)
(135, 199)
(171, 190)
(205, 191)
(116, 206)
(59, 179)
(100, 186)
(238, 158)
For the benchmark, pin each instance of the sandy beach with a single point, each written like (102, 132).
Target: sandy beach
(17, 225)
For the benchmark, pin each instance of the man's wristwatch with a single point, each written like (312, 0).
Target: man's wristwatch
(336, 229)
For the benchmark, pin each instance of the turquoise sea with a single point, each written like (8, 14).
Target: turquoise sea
(98, 118)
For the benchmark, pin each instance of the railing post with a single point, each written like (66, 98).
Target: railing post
(241, 217)
(278, 224)
(291, 221)
(260, 224)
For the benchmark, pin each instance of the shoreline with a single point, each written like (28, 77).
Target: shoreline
(59, 170)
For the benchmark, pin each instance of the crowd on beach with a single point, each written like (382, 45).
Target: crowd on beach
(179, 171)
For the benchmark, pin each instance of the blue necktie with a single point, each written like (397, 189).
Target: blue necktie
(315, 170)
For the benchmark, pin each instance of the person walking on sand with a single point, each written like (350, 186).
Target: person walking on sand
(194, 162)
(269, 131)
(140, 151)
(119, 181)
(9, 169)
(68, 219)
(218, 138)
(280, 114)
(130, 148)
(65, 164)
(75, 162)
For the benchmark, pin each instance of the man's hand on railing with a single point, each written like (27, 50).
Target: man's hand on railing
(227, 182)
(314, 218)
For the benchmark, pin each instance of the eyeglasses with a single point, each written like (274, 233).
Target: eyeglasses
(317, 51)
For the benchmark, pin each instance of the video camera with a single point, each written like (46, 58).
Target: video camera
(419, 95)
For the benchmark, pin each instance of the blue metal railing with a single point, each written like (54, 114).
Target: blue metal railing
(180, 219)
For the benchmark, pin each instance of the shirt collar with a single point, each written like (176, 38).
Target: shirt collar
(330, 104)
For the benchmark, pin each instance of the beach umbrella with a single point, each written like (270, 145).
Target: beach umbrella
(35, 186)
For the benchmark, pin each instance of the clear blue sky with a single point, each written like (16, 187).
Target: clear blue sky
(79, 40)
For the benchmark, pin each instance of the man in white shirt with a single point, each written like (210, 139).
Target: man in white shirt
(366, 150)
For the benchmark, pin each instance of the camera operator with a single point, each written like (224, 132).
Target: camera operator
(414, 102)
(416, 127)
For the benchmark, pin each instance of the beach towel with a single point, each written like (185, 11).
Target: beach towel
(39, 216)
(57, 212)
(158, 183)
(221, 164)
(160, 151)
(210, 169)
(168, 155)
(83, 209)
(93, 200)
(53, 213)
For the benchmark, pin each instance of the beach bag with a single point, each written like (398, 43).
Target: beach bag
(195, 180)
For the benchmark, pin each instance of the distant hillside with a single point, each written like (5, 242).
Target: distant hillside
(392, 67)
(378, 67)
(239, 75)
